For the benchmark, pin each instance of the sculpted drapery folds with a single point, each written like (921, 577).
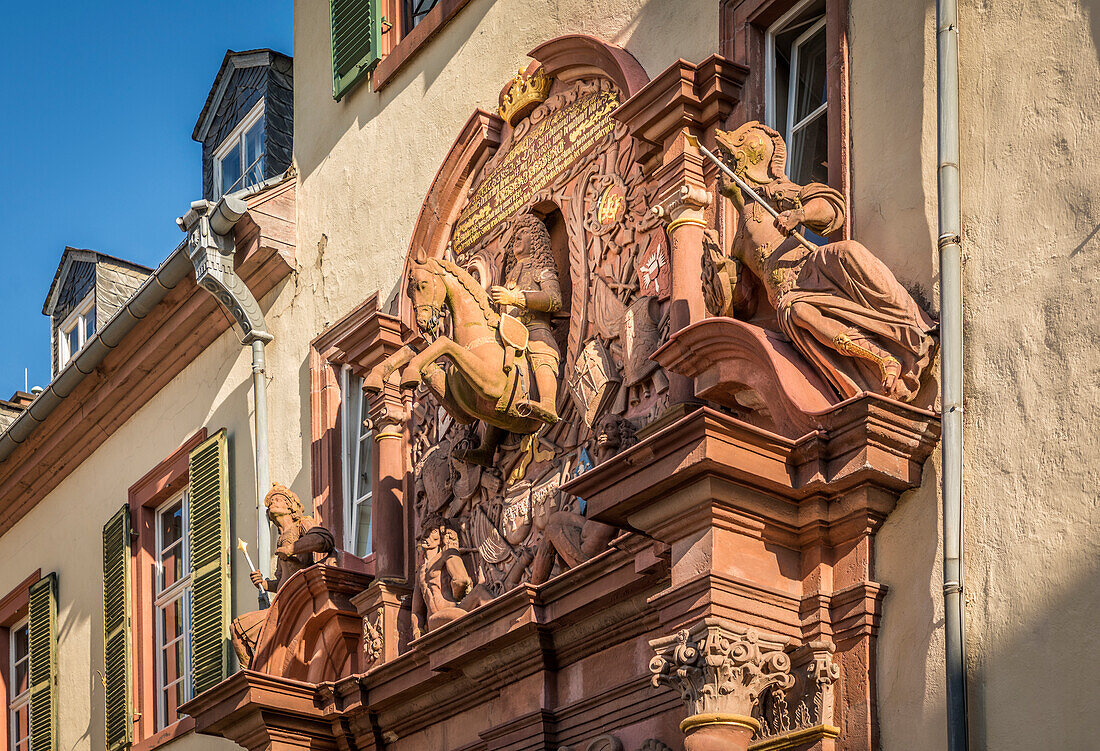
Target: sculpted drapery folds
(839, 305)
(302, 542)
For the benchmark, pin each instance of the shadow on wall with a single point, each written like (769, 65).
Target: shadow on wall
(361, 105)
(1092, 9)
(1042, 664)
(910, 661)
(893, 152)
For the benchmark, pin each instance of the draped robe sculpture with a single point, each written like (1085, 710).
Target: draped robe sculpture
(839, 305)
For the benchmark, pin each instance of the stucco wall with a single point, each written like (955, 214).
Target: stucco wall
(62, 533)
(1030, 86)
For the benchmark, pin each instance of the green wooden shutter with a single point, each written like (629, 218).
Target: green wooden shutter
(356, 39)
(42, 632)
(208, 497)
(117, 706)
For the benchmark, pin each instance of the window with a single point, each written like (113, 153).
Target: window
(19, 688)
(75, 331)
(357, 458)
(797, 89)
(238, 162)
(172, 598)
(414, 12)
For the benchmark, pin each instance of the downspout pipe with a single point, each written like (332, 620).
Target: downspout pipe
(211, 247)
(951, 366)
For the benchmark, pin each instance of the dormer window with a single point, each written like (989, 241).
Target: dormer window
(238, 162)
(75, 330)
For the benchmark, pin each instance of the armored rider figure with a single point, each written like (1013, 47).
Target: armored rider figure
(531, 292)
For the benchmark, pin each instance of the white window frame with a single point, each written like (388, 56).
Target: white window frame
(354, 412)
(236, 137)
(179, 591)
(78, 319)
(17, 703)
(770, 113)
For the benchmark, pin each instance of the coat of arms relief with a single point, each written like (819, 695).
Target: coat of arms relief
(537, 321)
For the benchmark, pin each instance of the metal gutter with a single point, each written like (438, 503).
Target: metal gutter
(169, 274)
(951, 366)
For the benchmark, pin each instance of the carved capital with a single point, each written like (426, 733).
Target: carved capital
(805, 710)
(687, 205)
(388, 415)
(720, 668)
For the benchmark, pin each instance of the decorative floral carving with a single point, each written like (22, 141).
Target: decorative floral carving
(719, 667)
(812, 694)
(374, 640)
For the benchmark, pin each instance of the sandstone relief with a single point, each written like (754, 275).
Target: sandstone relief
(534, 324)
(838, 304)
(302, 543)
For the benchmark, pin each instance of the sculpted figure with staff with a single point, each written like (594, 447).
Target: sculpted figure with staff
(839, 305)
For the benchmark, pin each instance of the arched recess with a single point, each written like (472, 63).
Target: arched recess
(567, 59)
(313, 632)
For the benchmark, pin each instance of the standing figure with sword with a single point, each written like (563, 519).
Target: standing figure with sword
(840, 306)
(302, 543)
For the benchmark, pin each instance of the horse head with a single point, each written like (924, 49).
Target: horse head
(428, 292)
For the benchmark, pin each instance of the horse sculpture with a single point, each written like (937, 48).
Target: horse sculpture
(489, 375)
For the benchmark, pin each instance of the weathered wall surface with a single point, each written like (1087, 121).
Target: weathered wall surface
(62, 533)
(365, 165)
(1030, 88)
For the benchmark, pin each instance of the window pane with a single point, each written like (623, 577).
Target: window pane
(363, 484)
(231, 171)
(171, 540)
(415, 10)
(362, 530)
(89, 324)
(173, 667)
(19, 651)
(254, 141)
(73, 337)
(811, 92)
(22, 723)
(809, 152)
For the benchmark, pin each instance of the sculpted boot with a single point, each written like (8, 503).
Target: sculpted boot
(855, 344)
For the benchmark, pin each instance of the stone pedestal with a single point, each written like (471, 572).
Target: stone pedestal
(771, 543)
(385, 627)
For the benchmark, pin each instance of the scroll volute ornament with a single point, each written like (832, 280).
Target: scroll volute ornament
(838, 304)
(721, 670)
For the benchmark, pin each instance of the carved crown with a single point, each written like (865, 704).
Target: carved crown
(523, 94)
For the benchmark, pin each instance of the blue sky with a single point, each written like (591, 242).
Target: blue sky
(98, 103)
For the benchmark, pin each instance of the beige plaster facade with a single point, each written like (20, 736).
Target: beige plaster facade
(1030, 80)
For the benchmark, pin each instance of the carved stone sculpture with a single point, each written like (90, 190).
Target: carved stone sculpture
(533, 326)
(302, 542)
(721, 671)
(444, 589)
(494, 356)
(569, 538)
(531, 292)
(839, 305)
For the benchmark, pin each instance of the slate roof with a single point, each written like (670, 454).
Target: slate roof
(74, 255)
(231, 62)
